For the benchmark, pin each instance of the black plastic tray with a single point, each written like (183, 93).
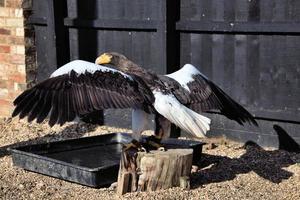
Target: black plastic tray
(92, 161)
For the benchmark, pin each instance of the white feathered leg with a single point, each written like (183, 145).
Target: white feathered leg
(162, 127)
(140, 121)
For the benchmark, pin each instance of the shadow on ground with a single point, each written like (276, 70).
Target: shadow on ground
(71, 131)
(265, 163)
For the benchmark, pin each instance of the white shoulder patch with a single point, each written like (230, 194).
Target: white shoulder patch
(81, 66)
(185, 75)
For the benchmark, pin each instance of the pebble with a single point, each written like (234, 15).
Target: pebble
(21, 186)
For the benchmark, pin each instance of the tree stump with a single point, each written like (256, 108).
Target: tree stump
(141, 171)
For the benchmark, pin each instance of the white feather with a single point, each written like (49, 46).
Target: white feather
(81, 66)
(185, 75)
(185, 118)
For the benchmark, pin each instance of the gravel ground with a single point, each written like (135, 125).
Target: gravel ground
(228, 170)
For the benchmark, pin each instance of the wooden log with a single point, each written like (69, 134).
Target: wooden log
(141, 171)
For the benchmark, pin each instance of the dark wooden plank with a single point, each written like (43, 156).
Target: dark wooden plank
(279, 10)
(37, 21)
(294, 10)
(217, 10)
(242, 10)
(229, 58)
(171, 40)
(206, 55)
(61, 33)
(42, 54)
(217, 65)
(142, 25)
(229, 10)
(206, 10)
(253, 69)
(185, 48)
(40, 9)
(266, 10)
(74, 44)
(51, 36)
(254, 11)
(196, 51)
(239, 89)
(278, 28)
(172, 36)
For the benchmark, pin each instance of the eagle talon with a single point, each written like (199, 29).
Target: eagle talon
(154, 142)
(143, 149)
(134, 144)
(161, 149)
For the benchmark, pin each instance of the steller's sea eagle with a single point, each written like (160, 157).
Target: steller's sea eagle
(81, 87)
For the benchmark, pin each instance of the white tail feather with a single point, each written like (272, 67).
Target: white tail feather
(169, 107)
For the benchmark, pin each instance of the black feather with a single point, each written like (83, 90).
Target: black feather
(54, 109)
(37, 107)
(30, 102)
(45, 109)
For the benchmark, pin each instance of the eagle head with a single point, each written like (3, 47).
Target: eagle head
(113, 58)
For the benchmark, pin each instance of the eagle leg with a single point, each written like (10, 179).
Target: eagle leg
(154, 142)
(162, 130)
(134, 144)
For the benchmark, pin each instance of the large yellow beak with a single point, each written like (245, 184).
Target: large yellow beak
(103, 59)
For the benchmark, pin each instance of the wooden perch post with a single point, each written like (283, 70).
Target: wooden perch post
(141, 171)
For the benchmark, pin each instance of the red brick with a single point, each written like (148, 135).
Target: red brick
(19, 78)
(17, 59)
(4, 58)
(5, 102)
(10, 39)
(14, 22)
(16, 40)
(6, 110)
(4, 31)
(4, 49)
(4, 93)
(3, 83)
(13, 3)
(4, 39)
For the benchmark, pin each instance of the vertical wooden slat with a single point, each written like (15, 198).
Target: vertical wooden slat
(229, 58)
(252, 68)
(218, 70)
(279, 10)
(206, 11)
(243, 9)
(240, 68)
(217, 12)
(185, 49)
(229, 11)
(172, 39)
(172, 36)
(196, 50)
(266, 10)
(61, 33)
(206, 54)
(254, 11)
(52, 59)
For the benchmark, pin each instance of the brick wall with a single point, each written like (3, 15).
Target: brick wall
(12, 54)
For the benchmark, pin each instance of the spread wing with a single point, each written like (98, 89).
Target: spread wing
(79, 88)
(204, 95)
